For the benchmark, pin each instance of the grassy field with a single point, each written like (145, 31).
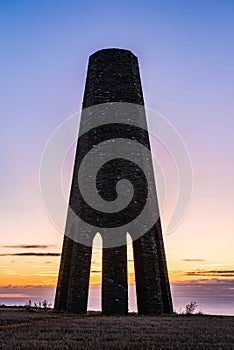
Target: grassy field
(20, 329)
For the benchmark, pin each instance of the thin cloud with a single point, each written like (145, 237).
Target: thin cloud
(32, 254)
(192, 260)
(213, 273)
(42, 266)
(29, 246)
(221, 271)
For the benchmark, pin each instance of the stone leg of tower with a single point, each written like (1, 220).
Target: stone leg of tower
(114, 281)
(73, 281)
(60, 304)
(165, 285)
(147, 274)
(152, 285)
(78, 286)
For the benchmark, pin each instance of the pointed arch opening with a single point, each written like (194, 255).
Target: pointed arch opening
(132, 301)
(95, 280)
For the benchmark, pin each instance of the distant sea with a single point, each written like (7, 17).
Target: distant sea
(213, 297)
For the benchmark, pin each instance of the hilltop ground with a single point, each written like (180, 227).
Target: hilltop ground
(21, 329)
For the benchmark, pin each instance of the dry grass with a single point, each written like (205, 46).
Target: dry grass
(20, 329)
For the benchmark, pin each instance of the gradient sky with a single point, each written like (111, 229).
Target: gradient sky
(186, 54)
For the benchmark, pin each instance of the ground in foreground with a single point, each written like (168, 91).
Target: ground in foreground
(20, 329)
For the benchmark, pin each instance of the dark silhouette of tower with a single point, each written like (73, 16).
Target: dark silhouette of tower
(113, 76)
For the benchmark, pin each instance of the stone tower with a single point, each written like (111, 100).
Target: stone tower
(113, 76)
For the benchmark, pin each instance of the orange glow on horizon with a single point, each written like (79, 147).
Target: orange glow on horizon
(43, 270)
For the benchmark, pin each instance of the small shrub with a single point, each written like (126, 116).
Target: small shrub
(190, 308)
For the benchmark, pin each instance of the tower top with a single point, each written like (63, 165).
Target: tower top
(112, 52)
(113, 76)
